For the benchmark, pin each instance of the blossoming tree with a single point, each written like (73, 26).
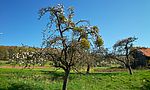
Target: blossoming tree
(65, 40)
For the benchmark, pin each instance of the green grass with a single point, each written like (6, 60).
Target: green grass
(2, 62)
(48, 79)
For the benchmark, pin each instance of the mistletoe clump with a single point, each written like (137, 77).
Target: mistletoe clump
(99, 41)
(85, 43)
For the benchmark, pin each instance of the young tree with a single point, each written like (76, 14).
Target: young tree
(93, 57)
(66, 40)
(122, 51)
(100, 55)
(88, 60)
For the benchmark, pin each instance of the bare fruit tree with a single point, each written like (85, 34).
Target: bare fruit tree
(65, 40)
(122, 52)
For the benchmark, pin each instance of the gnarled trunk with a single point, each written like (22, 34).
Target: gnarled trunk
(88, 69)
(66, 76)
(129, 68)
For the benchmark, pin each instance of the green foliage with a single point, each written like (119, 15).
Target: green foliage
(99, 41)
(62, 18)
(85, 43)
(95, 29)
(78, 29)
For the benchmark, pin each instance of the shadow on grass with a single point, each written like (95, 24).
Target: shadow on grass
(57, 76)
(104, 74)
(146, 84)
(22, 86)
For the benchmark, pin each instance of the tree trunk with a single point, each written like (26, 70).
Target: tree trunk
(67, 72)
(88, 69)
(129, 68)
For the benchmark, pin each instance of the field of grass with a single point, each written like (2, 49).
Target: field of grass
(48, 79)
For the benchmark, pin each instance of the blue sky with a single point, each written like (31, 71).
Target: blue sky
(117, 19)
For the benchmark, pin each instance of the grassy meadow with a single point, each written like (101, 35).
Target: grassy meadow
(51, 79)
